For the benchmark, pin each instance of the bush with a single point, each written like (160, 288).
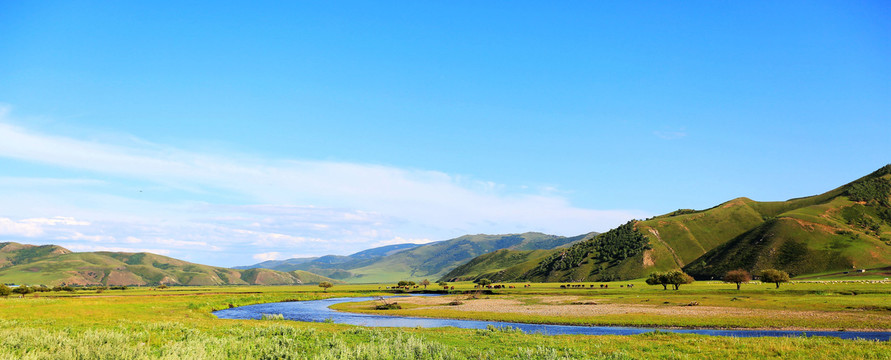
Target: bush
(5, 290)
(388, 306)
(675, 278)
(774, 276)
(272, 317)
(22, 290)
(737, 277)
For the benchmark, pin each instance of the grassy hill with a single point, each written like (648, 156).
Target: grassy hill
(845, 228)
(431, 261)
(494, 265)
(333, 266)
(54, 265)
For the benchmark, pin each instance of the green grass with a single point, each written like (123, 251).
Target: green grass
(151, 324)
(846, 305)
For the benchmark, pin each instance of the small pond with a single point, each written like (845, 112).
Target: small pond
(318, 311)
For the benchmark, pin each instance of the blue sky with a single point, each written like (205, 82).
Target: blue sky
(226, 134)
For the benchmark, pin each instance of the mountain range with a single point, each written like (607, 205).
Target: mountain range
(412, 261)
(843, 229)
(55, 265)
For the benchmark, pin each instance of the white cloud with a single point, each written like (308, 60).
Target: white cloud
(267, 256)
(58, 220)
(273, 205)
(183, 244)
(670, 135)
(12, 227)
(36, 226)
(92, 238)
(399, 240)
(82, 248)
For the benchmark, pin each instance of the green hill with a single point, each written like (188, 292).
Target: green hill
(393, 263)
(54, 265)
(844, 229)
(848, 227)
(494, 265)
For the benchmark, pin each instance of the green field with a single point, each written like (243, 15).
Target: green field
(176, 323)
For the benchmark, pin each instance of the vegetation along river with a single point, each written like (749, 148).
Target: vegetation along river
(319, 311)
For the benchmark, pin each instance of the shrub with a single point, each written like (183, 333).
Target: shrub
(737, 277)
(774, 276)
(675, 278)
(272, 317)
(22, 290)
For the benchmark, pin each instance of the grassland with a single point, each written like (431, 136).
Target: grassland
(833, 305)
(176, 323)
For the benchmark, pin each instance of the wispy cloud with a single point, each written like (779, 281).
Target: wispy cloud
(399, 240)
(230, 204)
(272, 255)
(670, 135)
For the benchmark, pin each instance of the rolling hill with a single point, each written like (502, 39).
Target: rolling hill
(333, 266)
(412, 261)
(54, 265)
(436, 259)
(845, 228)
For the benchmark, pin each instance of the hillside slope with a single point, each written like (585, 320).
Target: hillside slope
(848, 227)
(334, 266)
(54, 265)
(434, 260)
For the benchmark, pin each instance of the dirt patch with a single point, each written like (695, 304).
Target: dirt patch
(648, 258)
(124, 278)
(811, 226)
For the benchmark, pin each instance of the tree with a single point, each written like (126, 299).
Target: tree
(483, 282)
(658, 278)
(22, 290)
(425, 283)
(325, 285)
(5, 290)
(405, 284)
(774, 276)
(443, 283)
(678, 278)
(738, 277)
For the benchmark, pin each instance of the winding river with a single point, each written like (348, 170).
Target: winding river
(319, 311)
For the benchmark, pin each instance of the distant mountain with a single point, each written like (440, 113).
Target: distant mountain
(54, 265)
(276, 264)
(846, 228)
(334, 266)
(413, 261)
(432, 261)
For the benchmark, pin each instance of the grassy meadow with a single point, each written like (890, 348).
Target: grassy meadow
(176, 323)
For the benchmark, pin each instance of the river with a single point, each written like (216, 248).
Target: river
(319, 311)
